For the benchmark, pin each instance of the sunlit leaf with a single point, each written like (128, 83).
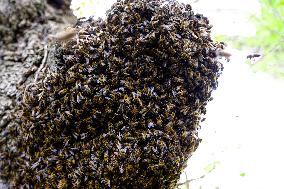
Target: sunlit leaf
(210, 167)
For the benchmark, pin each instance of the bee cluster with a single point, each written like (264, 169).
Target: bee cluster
(121, 105)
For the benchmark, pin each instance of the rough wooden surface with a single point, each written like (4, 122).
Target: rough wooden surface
(24, 29)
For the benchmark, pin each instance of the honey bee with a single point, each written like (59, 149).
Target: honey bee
(250, 56)
(62, 184)
(224, 54)
(66, 35)
(159, 121)
(126, 99)
(134, 111)
(102, 79)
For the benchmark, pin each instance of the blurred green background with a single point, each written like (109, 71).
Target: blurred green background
(268, 40)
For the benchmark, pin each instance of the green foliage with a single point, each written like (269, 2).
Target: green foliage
(242, 174)
(270, 25)
(269, 39)
(210, 167)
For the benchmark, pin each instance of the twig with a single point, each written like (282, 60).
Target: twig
(187, 184)
(43, 62)
(190, 180)
(42, 65)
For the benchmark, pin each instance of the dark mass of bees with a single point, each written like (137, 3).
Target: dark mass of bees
(121, 106)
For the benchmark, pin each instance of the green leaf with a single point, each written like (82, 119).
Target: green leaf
(210, 167)
(269, 38)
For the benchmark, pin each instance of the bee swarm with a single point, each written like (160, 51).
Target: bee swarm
(121, 105)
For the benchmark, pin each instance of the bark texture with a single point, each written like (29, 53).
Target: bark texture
(24, 29)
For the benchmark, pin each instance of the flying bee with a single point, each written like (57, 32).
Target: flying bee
(224, 54)
(66, 35)
(250, 56)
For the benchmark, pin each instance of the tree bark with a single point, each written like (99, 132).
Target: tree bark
(24, 29)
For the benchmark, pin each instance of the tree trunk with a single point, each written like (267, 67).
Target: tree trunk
(24, 29)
